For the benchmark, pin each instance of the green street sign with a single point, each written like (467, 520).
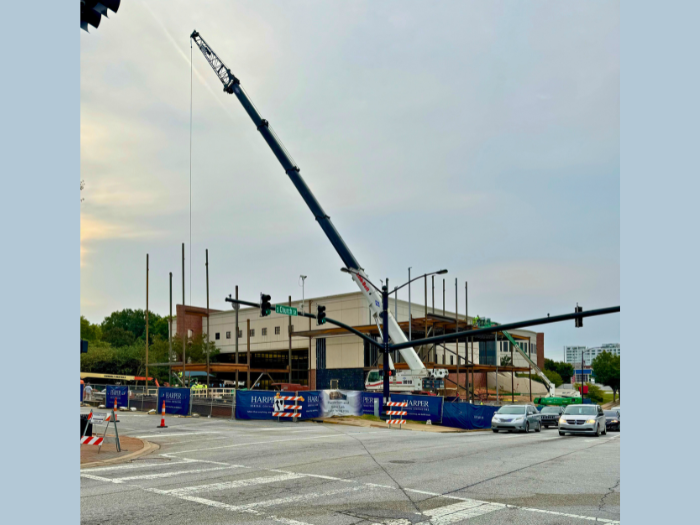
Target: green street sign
(285, 310)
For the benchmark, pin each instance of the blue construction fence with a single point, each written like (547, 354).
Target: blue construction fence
(257, 404)
(467, 416)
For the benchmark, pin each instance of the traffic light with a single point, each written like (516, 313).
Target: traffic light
(320, 314)
(265, 306)
(579, 320)
(83, 346)
(91, 11)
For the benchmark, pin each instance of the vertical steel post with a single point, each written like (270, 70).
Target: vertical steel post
(410, 319)
(236, 306)
(208, 338)
(466, 348)
(425, 288)
(290, 343)
(247, 321)
(471, 344)
(385, 341)
(512, 374)
(457, 330)
(530, 375)
(443, 314)
(434, 346)
(146, 325)
(498, 399)
(181, 324)
(170, 334)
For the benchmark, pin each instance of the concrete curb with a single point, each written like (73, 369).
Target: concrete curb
(148, 447)
(374, 424)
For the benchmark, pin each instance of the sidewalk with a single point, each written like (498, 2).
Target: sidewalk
(416, 427)
(131, 448)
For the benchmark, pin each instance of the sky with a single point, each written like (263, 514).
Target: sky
(481, 137)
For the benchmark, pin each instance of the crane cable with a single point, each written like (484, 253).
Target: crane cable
(190, 171)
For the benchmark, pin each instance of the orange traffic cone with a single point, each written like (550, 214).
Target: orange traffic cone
(162, 418)
(116, 420)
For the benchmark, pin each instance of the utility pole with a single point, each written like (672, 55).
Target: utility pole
(181, 323)
(170, 334)
(432, 278)
(498, 400)
(425, 288)
(207, 267)
(466, 342)
(146, 323)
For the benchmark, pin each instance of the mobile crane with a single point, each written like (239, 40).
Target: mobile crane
(405, 380)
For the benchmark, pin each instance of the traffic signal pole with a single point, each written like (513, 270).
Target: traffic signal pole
(385, 344)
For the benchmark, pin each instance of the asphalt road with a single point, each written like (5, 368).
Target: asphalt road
(215, 471)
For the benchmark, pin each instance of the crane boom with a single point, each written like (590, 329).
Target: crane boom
(233, 86)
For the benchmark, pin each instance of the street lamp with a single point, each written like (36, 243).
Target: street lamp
(384, 291)
(303, 280)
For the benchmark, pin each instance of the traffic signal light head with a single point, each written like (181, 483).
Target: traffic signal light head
(92, 11)
(265, 306)
(320, 314)
(579, 320)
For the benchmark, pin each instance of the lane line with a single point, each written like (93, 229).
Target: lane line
(175, 434)
(233, 484)
(157, 476)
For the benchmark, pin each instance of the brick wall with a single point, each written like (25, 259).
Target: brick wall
(191, 318)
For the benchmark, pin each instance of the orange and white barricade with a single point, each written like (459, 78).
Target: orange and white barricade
(401, 413)
(279, 409)
(97, 418)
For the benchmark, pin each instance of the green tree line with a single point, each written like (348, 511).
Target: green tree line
(118, 345)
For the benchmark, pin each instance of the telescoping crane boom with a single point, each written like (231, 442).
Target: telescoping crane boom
(412, 379)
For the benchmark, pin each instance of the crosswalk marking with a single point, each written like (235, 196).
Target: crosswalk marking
(463, 510)
(233, 484)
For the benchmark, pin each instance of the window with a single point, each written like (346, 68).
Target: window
(217, 336)
(370, 354)
(320, 354)
(452, 360)
(228, 335)
(240, 333)
(264, 332)
(252, 332)
(277, 330)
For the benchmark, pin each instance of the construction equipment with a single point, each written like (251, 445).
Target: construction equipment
(487, 323)
(411, 379)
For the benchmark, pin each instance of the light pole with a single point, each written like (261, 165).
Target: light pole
(303, 280)
(409, 303)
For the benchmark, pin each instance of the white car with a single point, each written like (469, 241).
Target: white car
(583, 419)
(516, 417)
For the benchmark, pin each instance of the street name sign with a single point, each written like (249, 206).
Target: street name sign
(285, 310)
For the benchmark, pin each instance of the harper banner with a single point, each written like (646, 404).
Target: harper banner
(120, 393)
(177, 400)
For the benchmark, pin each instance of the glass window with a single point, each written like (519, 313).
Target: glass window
(240, 333)
(550, 410)
(252, 332)
(373, 376)
(512, 410)
(277, 330)
(264, 331)
(578, 410)
(228, 335)
(452, 360)
(217, 336)
(320, 353)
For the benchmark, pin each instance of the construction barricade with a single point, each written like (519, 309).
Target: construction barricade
(98, 418)
(392, 413)
(260, 404)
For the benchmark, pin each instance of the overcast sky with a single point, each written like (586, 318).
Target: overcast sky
(482, 137)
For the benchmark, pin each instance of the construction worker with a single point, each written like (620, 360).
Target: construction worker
(88, 392)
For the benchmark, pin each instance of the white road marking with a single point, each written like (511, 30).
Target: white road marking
(266, 442)
(589, 518)
(463, 510)
(175, 434)
(233, 484)
(226, 506)
(156, 476)
(299, 497)
(130, 466)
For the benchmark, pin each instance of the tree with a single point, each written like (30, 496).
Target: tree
(594, 392)
(505, 360)
(88, 331)
(554, 377)
(118, 337)
(565, 370)
(606, 368)
(134, 321)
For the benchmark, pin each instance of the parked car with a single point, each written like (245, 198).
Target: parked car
(549, 416)
(582, 419)
(612, 420)
(516, 417)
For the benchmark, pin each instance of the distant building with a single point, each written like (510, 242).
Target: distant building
(572, 355)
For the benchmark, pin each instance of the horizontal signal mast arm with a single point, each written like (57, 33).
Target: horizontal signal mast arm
(312, 316)
(501, 327)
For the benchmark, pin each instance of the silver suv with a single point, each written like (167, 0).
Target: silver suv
(516, 417)
(582, 419)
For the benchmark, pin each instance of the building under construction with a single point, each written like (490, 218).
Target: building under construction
(284, 349)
